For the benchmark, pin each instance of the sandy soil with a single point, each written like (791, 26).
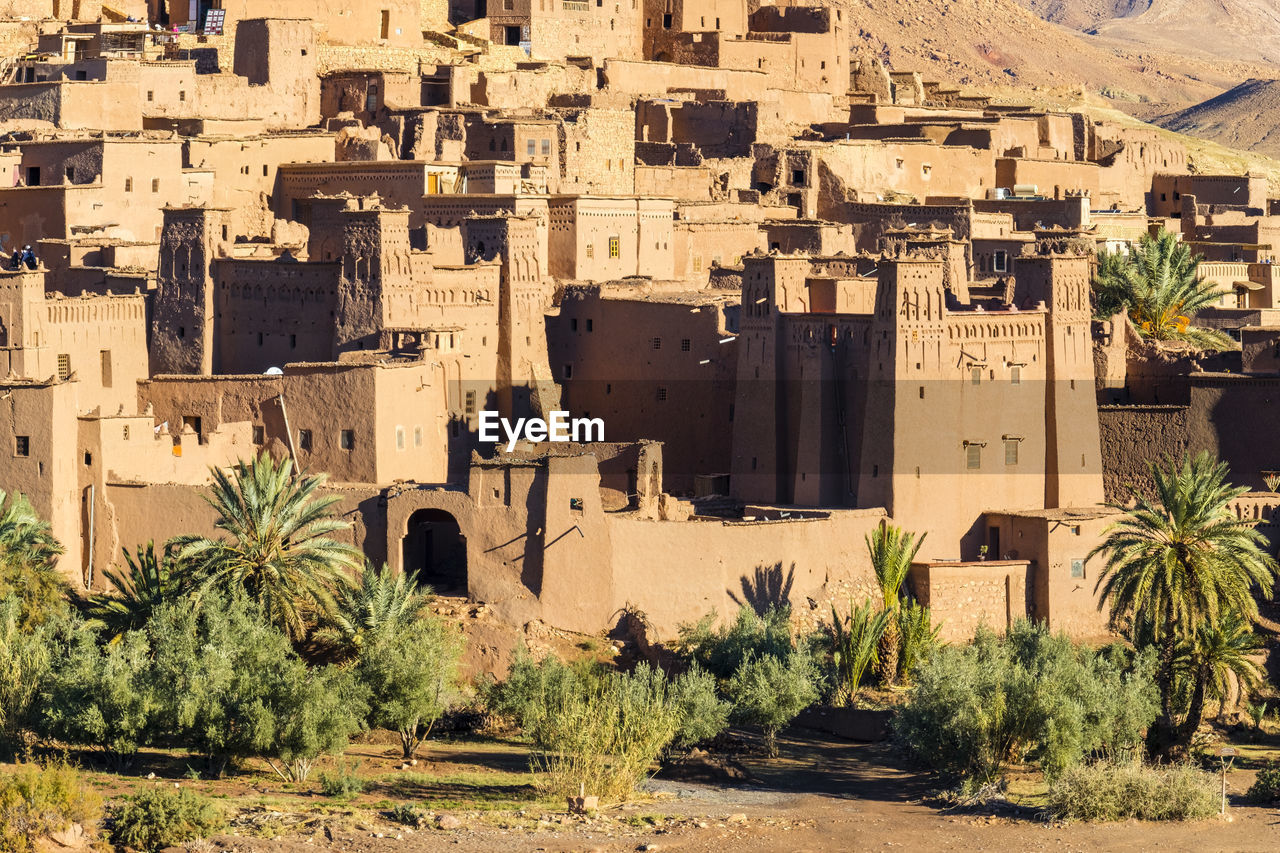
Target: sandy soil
(820, 795)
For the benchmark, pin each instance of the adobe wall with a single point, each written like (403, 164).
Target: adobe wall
(655, 78)
(962, 596)
(1133, 436)
(683, 183)
(676, 572)
(1052, 178)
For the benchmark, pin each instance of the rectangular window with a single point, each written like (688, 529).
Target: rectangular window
(106, 368)
(615, 247)
(470, 405)
(128, 185)
(22, 445)
(293, 342)
(1077, 568)
(656, 343)
(697, 264)
(155, 185)
(1011, 451)
(546, 147)
(591, 250)
(259, 435)
(975, 375)
(532, 147)
(71, 174)
(126, 432)
(568, 371)
(573, 324)
(304, 440)
(685, 345)
(973, 456)
(1000, 262)
(182, 95)
(589, 324)
(417, 436)
(64, 366)
(399, 438)
(151, 95)
(347, 439)
(1015, 375)
(662, 395)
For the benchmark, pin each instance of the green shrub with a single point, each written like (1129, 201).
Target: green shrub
(409, 675)
(36, 802)
(721, 650)
(703, 715)
(160, 817)
(1029, 697)
(532, 690)
(1266, 787)
(918, 636)
(102, 696)
(343, 781)
(769, 691)
(25, 659)
(232, 687)
(605, 736)
(1131, 790)
(407, 814)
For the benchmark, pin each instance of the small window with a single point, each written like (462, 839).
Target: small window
(304, 440)
(182, 331)
(399, 438)
(71, 174)
(975, 375)
(1077, 568)
(1015, 375)
(697, 263)
(151, 95)
(22, 445)
(64, 366)
(106, 368)
(293, 342)
(532, 147)
(259, 435)
(666, 22)
(128, 185)
(662, 395)
(568, 371)
(469, 405)
(656, 343)
(417, 436)
(685, 345)
(1000, 262)
(88, 458)
(182, 95)
(973, 456)
(589, 324)
(1011, 451)
(573, 324)
(615, 247)
(347, 439)
(591, 250)
(155, 185)
(575, 505)
(259, 338)
(546, 147)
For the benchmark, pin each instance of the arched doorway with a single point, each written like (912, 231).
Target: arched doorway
(434, 548)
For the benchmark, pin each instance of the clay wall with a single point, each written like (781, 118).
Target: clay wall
(963, 596)
(1052, 178)
(595, 238)
(1132, 437)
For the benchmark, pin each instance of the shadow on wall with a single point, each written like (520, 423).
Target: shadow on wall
(768, 587)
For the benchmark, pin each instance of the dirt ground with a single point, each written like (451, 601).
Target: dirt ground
(820, 794)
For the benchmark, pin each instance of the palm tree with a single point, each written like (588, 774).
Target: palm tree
(854, 646)
(383, 601)
(1176, 564)
(28, 555)
(280, 551)
(892, 552)
(1218, 658)
(146, 582)
(1159, 286)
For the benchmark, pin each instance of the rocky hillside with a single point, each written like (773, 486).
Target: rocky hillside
(1245, 117)
(1238, 30)
(1002, 43)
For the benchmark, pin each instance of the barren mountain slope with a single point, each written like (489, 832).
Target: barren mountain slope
(1246, 117)
(995, 43)
(1085, 14)
(1242, 30)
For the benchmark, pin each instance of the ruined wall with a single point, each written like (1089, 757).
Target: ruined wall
(1132, 437)
(963, 596)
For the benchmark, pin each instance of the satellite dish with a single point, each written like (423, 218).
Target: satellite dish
(274, 371)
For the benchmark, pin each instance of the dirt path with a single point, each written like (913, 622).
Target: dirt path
(820, 795)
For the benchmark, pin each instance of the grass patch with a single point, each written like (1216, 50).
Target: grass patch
(475, 791)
